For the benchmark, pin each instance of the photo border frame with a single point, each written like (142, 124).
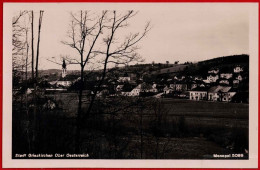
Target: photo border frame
(115, 1)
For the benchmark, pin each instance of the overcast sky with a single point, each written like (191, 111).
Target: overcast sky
(180, 32)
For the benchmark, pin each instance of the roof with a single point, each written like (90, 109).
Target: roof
(225, 89)
(216, 89)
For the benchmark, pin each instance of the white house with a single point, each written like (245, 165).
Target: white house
(224, 81)
(179, 86)
(226, 75)
(64, 83)
(198, 78)
(220, 93)
(213, 94)
(135, 92)
(198, 94)
(212, 78)
(238, 69)
(141, 88)
(227, 97)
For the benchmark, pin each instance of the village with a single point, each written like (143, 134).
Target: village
(222, 85)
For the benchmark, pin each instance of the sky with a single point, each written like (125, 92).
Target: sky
(180, 32)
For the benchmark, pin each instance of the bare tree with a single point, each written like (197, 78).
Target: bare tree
(123, 53)
(86, 28)
(38, 43)
(19, 43)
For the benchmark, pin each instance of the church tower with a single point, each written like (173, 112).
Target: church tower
(64, 69)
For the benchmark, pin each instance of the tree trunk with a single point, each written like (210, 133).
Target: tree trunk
(78, 123)
(141, 126)
(97, 89)
(32, 47)
(38, 44)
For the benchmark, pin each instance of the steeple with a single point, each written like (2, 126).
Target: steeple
(63, 74)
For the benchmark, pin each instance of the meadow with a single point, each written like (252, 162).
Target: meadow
(151, 129)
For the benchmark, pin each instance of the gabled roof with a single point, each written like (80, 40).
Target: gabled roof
(225, 89)
(216, 89)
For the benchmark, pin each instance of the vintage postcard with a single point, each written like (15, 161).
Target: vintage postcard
(130, 85)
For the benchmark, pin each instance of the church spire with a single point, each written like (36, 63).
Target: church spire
(63, 74)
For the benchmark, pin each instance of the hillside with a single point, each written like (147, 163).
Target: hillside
(224, 64)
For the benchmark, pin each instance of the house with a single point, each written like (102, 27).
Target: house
(221, 93)
(141, 88)
(64, 83)
(227, 96)
(179, 86)
(213, 93)
(197, 78)
(198, 94)
(213, 71)
(226, 75)
(135, 92)
(212, 78)
(224, 82)
(238, 69)
(195, 84)
(167, 90)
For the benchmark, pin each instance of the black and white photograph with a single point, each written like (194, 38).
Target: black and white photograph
(125, 82)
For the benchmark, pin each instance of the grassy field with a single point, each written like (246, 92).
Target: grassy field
(207, 108)
(178, 129)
